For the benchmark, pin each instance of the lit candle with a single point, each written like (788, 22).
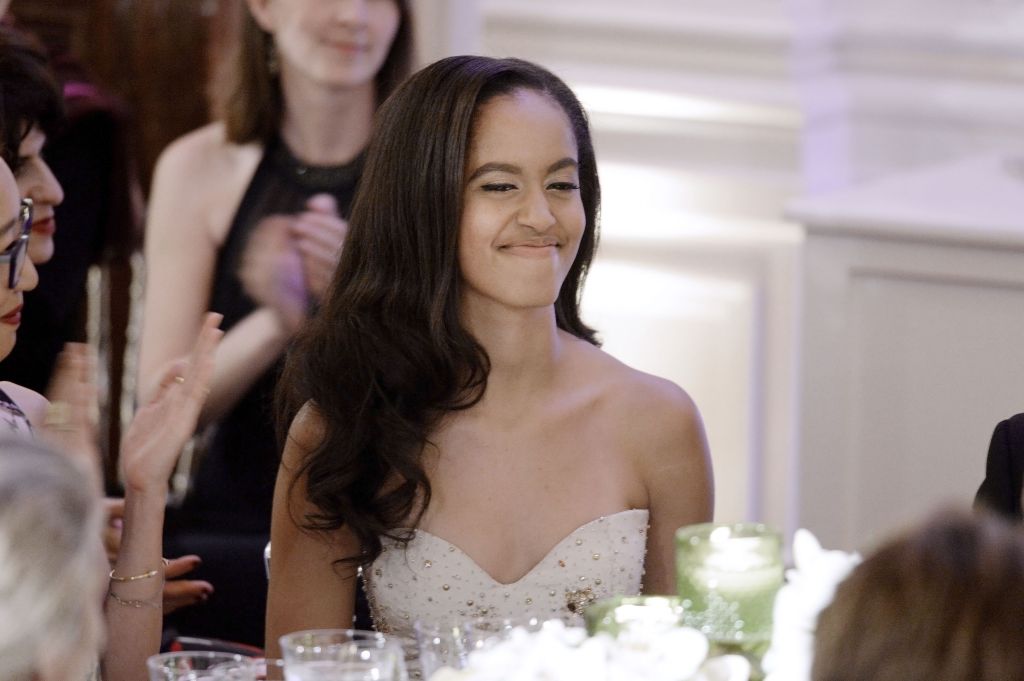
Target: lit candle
(728, 576)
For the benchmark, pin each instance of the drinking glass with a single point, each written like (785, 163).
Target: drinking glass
(341, 655)
(200, 665)
(728, 576)
(441, 645)
(449, 644)
(627, 614)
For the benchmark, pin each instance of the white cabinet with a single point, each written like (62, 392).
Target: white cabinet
(913, 343)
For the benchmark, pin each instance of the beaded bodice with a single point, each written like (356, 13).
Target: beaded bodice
(433, 581)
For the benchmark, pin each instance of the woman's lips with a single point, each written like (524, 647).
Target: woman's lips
(13, 317)
(44, 227)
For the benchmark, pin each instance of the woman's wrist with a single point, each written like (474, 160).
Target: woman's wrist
(286, 322)
(146, 492)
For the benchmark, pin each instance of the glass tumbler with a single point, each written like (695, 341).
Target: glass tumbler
(341, 655)
(201, 665)
(727, 577)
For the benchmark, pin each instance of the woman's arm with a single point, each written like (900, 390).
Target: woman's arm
(197, 185)
(676, 469)
(307, 589)
(149, 451)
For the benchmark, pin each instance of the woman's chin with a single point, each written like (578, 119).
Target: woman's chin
(40, 251)
(7, 339)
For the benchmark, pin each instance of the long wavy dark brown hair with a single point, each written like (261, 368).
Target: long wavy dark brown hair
(246, 95)
(387, 355)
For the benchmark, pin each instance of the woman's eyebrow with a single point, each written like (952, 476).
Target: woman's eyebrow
(562, 163)
(495, 167)
(566, 162)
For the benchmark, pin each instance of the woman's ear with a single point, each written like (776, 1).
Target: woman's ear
(260, 10)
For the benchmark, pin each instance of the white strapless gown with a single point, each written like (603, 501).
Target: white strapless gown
(433, 581)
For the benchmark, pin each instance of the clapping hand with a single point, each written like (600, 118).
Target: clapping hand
(153, 442)
(70, 423)
(321, 234)
(271, 270)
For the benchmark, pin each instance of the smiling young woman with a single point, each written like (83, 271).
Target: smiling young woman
(455, 429)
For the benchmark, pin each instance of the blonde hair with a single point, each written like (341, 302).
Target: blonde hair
(50, 550)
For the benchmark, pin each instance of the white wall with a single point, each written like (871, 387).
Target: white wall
(709, 119)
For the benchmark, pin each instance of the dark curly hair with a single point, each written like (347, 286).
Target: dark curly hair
(387, 355)
(29, 93)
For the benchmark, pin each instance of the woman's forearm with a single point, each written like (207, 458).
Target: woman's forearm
(245, 353)
(134, 610)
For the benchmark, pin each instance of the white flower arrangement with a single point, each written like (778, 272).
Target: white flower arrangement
(559, 653)
(810, 587)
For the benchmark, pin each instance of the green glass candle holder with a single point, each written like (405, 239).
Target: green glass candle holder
(727, 577)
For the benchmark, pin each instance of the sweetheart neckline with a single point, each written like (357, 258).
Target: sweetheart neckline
(547, 555)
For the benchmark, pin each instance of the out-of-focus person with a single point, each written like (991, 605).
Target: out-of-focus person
(247, 218)
(941, 603)
(1001, 489)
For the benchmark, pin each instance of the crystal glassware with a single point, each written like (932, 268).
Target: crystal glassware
(728, 576)
(201, 665)
(341, 655)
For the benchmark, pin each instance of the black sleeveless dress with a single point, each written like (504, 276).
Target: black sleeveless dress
(225, 518)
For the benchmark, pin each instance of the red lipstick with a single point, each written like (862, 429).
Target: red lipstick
(44, 227)
(13, 317)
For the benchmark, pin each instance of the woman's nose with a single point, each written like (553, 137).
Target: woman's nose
(535, 212)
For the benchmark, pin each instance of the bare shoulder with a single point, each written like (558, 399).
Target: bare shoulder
(202, 173)
(654, 422)
(205, 150)
(654, 408)
(32, 403)
(306, 433)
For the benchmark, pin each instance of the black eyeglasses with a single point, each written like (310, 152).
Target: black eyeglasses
(14, 255)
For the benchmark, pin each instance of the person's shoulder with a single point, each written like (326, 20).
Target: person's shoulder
(654, 420)
(634, 393)
(205, 151)
(305, 434)
(29, 401)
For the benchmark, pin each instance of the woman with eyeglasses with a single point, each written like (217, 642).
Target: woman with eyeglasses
(18, 275)
(149, 450)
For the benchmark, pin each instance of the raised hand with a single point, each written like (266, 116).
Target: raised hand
(70, 422)
(321, 235)
(153, 442)
(271, 270)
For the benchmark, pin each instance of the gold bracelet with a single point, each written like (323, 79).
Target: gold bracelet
(144, 575)
(132, 603)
